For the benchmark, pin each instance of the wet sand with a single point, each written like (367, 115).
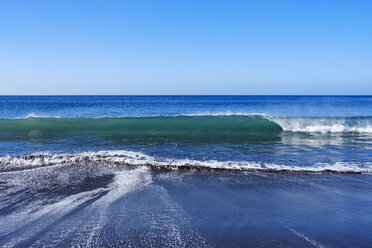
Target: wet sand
(100, 206)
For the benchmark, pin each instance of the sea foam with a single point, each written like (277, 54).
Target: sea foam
(123, 158)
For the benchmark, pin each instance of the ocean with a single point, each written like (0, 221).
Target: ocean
(186, 171)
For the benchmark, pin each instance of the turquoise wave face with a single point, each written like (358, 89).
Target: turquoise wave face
(144, 129)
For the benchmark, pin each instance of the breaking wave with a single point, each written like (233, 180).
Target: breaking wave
(357, 124)
(222, 127)
(144, 129)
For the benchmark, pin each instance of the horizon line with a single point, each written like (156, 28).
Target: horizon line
(2, 95)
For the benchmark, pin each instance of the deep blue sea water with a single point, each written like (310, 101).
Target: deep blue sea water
(79, 171)
(117, 106)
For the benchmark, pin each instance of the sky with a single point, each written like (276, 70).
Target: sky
(185, 47)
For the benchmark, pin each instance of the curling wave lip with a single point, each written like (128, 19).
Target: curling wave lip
(235, 128)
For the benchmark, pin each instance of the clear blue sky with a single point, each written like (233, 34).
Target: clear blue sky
(186, 47)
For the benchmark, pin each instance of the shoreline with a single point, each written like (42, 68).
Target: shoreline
(189, 168)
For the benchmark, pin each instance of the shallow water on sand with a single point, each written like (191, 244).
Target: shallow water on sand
(100, 206)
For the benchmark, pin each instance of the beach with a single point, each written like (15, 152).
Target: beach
(98, 206)
(189, 171)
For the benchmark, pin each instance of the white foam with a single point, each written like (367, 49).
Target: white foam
(116, 158)
(323, 125)
(41, 213)
(310, 240)
(34, 115)
(33, 213)
(328, 129)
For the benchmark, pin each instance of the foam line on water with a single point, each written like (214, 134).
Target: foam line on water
(115, 158)
(310, 240)
(361, 124)
(37, 215)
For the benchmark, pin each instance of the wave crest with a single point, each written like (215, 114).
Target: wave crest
(222, 126)
(362, 124)
(145, 129)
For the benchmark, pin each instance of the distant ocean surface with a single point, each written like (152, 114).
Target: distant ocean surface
(273, 171)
